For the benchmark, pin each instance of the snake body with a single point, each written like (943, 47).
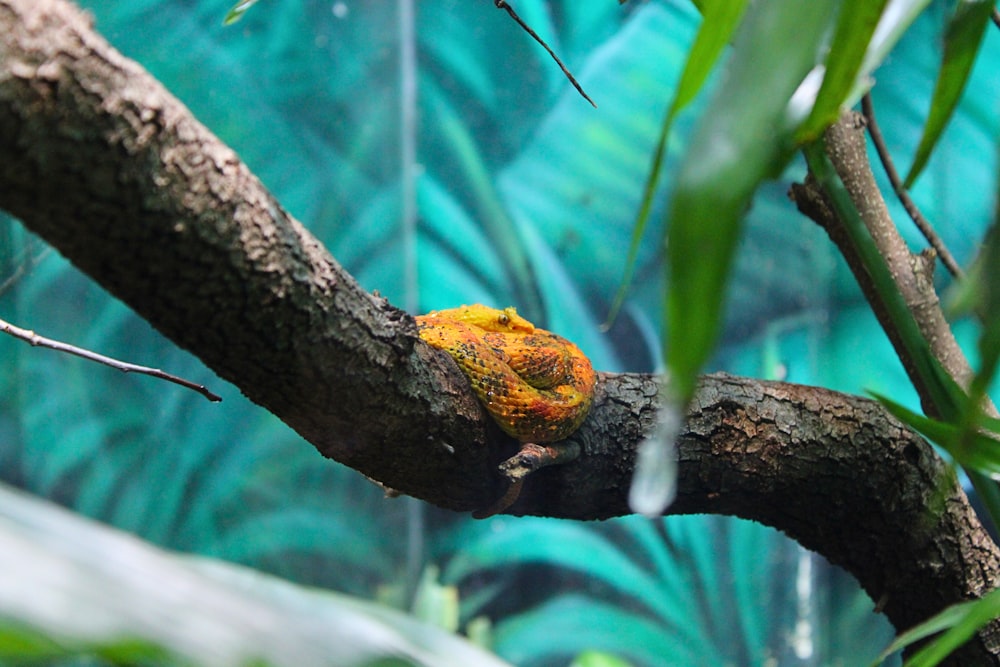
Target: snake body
(536, 385)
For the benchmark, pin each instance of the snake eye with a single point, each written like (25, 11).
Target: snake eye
(503, 319)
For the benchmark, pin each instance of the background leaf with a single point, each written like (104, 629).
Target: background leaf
(961, 44)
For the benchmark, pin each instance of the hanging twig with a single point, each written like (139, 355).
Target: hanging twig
(39, 341)
(904, 197)
(501, 4)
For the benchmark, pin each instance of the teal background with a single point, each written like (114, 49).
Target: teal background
(490, 181)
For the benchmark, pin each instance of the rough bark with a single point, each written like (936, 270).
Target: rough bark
(98, 159)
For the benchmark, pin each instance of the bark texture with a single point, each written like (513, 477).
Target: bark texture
(98, 159)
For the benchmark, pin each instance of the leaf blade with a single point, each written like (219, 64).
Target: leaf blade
(856, 24)
(718, 23)
(725, 163)
(963, 37)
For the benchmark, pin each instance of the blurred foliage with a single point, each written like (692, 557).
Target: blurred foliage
(519, 193)
(87, 580)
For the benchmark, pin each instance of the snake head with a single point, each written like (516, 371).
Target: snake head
(509, 320)
(490, 319)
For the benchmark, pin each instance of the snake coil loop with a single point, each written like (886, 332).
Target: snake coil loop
(536, 385)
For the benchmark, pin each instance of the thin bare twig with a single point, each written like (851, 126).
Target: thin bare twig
(40, 341)
(911, 207)
(501, 4)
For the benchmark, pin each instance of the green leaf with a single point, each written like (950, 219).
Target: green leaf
(720, 18)
(972, 450)
(986, 283)
(961, 43)
(939, 432)
(718, 23)
(598, 659)
(960, 621)
(742, 139)
(237, 11)
(19, 641)
(856, 23)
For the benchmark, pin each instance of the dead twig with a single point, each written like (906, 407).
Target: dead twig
(501, 4)
(34, 339)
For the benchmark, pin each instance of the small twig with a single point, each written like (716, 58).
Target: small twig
(996, 17)
(501, 4)
(39, 341)
(922, 223)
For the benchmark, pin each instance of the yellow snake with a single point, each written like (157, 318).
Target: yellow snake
(536, 385)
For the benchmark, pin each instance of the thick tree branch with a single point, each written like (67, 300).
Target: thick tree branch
(98, 159)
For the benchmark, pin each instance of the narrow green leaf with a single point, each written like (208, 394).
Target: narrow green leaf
(938, 432)
(937, 623)
(237, 11)
(961, 43)
(972, 450)
(980, 291)
(741, 140)
(20, 642)
(599, 659)
(961, 620)
(856, 23)
(979, 453)
(719, 20)
(988, 304)
(949, 399)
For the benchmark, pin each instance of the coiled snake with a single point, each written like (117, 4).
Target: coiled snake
(537, 386)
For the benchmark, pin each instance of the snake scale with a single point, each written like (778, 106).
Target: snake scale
(536, 385)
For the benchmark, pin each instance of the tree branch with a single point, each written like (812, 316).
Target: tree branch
(98, 159)
(913, 274)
